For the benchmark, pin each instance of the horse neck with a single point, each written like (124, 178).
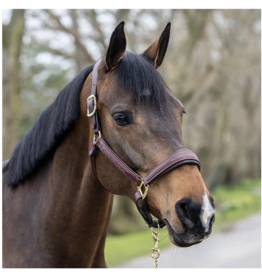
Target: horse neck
(81, 205)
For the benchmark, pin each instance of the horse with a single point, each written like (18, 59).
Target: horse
(114, 129)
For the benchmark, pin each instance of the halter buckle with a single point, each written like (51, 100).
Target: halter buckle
(97, 134)
(91, 97)
(139, 189)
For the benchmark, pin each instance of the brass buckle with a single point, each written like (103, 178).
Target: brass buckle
(139, 189)
(94, 110)
(96, 135)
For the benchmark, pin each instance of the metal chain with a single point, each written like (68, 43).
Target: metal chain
(155, 252)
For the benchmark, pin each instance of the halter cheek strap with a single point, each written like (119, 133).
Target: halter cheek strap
(175, 160)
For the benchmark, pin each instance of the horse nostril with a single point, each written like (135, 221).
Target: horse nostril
(212, 220)
(184, 210)
(183, 213)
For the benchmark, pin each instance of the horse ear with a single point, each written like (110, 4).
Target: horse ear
(156, 52)
(117, 46)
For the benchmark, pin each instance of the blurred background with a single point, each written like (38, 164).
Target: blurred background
(213, 65)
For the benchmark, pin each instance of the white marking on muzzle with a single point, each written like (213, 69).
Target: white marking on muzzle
(207, 212)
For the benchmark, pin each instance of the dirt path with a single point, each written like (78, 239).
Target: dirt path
(238, 246)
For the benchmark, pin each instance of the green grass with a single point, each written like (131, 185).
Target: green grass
(239, 201)
(232, 203)
(125, 247)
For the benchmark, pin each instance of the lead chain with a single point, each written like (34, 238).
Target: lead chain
(155, 252)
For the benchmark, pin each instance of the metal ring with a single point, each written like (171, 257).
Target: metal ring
(155, 253)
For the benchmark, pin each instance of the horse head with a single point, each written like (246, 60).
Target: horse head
(141, 121)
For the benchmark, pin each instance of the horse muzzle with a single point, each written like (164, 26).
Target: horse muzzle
(196, 223)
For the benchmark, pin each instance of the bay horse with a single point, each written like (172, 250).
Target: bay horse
(115, 124)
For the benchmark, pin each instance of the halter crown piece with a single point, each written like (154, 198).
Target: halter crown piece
(175, 160)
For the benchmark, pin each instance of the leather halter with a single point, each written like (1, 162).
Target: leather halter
(175, 160)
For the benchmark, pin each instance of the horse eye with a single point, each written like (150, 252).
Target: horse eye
(121, 119)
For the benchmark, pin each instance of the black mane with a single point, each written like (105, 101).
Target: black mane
(48, 131)
(135, 75)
